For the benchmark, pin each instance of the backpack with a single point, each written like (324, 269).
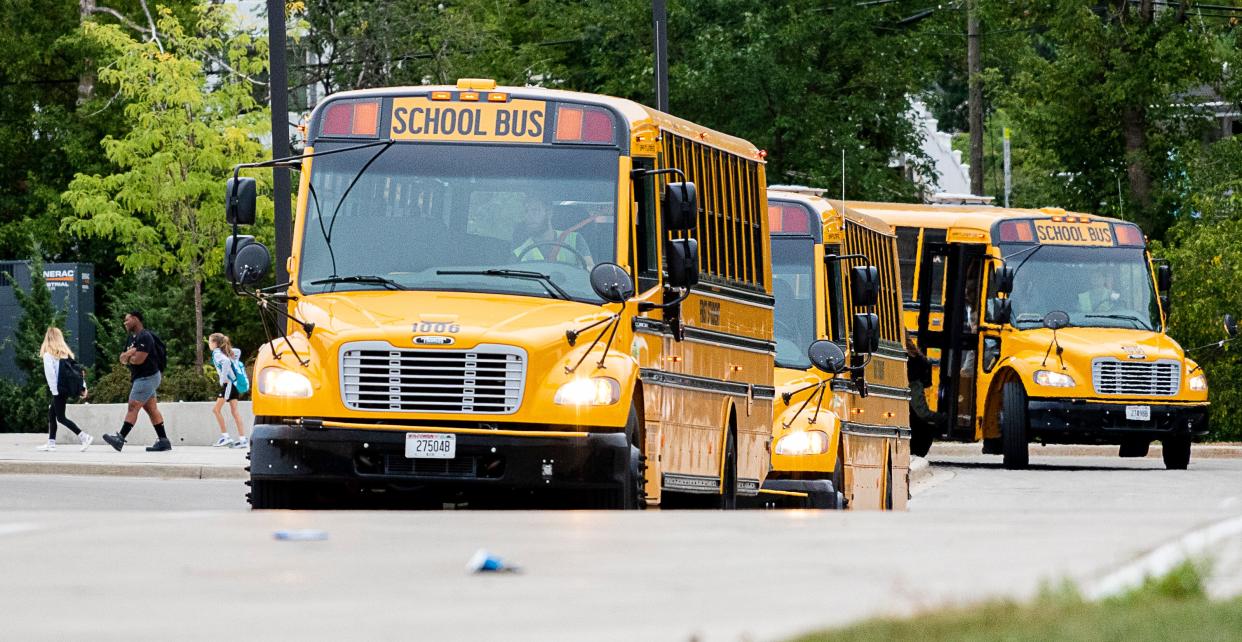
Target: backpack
(240, 382)
(70, 378)
(159, 352)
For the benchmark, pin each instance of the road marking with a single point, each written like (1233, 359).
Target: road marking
(14, 529)
(1163, 559)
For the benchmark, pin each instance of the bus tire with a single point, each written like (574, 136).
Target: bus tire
(888, 484)
(728, 476)
(921, 436)
(631, 494)
(1176, 452)
(267, 494)
(1013, 425)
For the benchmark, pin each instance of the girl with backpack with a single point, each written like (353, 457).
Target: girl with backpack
(233, 384)
(64, 378)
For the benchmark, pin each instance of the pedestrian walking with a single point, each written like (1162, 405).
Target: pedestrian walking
(64, 379)
(233, 384)
(145, 357)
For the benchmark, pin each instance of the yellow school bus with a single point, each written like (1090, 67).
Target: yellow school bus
(499, 293)
(843, 432)
(1045, 326)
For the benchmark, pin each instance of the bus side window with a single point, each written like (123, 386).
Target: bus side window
(936, 236)
(907, 257)
(646, 236)
(835, 297)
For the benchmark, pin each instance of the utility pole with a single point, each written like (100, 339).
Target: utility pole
(1008, 169)
(659, 17)
(975, 100)
(278, 84)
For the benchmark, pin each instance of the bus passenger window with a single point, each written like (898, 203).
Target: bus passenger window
(907, 257)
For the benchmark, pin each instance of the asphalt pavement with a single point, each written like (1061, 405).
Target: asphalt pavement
(114, 558)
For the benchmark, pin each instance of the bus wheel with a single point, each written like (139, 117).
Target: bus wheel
(1176, 452)
(631, 496)
(888, 485)
(1013, 425)
(728, 498)
(921, 436)
(265, 494)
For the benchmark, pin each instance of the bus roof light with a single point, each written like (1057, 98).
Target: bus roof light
(1127, 234)
(441, 95)
(483, 84)
(351, 118)
(497, 97)
(579, 124)
(472, 96)
(1017, 232)
(788, 219)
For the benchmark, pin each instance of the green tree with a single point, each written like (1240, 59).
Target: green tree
(23, 405)
(192, 100)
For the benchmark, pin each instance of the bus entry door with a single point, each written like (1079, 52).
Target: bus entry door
(957, 339)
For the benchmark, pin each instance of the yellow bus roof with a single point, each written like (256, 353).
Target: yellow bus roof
(977, 217)
(634, 113)
(827, 209)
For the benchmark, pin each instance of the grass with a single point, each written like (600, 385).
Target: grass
(1172, 607)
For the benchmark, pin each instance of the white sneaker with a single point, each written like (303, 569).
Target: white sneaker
(48, 447)
(224, 440)
(243, 442)
(86, 440)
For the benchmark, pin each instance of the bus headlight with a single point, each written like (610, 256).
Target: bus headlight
(279, 382)
(1053, 379)
(1197, 382)
(811, 442)
(597, 391)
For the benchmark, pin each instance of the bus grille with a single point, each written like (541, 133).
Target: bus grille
(1117, 377)
(486, 380)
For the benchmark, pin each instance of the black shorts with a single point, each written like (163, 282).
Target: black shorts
(228, 392)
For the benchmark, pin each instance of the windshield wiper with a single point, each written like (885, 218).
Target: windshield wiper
(552, 288)
(369, 279)
(1112, 315)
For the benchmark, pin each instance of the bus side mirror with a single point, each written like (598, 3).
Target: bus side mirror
(865, 335)
(683, 263)
(612, 283)
(864, 285)
(1056, 319)
(246, 260)
(1002, 276)
(1231, 326)
(1164, 277)
(681, 206)
(1000, 310)
(1164, 305)
(827, 356)
(239, 197)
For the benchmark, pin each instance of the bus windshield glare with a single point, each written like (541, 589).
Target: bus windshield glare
(1100, 287)
(793, 287)
(453, 217)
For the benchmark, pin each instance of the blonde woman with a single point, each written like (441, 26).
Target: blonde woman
(223, 356)
(57, 356)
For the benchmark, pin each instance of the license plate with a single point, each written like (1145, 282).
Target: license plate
(430, 445)
(1138, 413)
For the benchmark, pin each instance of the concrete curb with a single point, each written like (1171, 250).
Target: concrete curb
(920, 471)
(165, 471)
(1197, 451)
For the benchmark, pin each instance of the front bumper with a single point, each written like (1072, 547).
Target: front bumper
(819, 494)
(1078, 421)
(376, 459)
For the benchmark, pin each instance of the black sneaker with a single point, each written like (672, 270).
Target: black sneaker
(114, 440)
(160, 445)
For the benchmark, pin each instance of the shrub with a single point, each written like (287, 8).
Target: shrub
(181, 383)
(23, 407)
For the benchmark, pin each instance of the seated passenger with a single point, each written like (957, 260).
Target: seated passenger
(1100, 297)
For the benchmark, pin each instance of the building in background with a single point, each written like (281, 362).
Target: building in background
(73, 292)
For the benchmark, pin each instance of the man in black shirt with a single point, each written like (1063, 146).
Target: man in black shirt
(145, 377)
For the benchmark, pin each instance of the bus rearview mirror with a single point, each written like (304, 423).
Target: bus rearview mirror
(827, 356)
(865, 334)
(239, 199)
(1002, 277)
(864, 285)
(1056, 320)
(683, 263)
(246, 260)
(1164, 277)
(1231, 326)
(681, 206)
(1000, 310)
(612, 283)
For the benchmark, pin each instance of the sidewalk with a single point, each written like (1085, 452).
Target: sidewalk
(1198, 451)
(18, 455)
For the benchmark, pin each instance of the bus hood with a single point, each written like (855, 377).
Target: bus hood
(460, 319)
(1122, 343)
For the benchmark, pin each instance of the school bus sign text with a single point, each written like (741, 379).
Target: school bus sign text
(1062, 233)
(516, 121)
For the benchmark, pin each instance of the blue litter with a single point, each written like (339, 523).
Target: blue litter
(484, 562)
(301, 535)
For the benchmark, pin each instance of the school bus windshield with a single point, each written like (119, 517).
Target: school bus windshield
(1097, 286)
(794, 290)
(454, 217)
